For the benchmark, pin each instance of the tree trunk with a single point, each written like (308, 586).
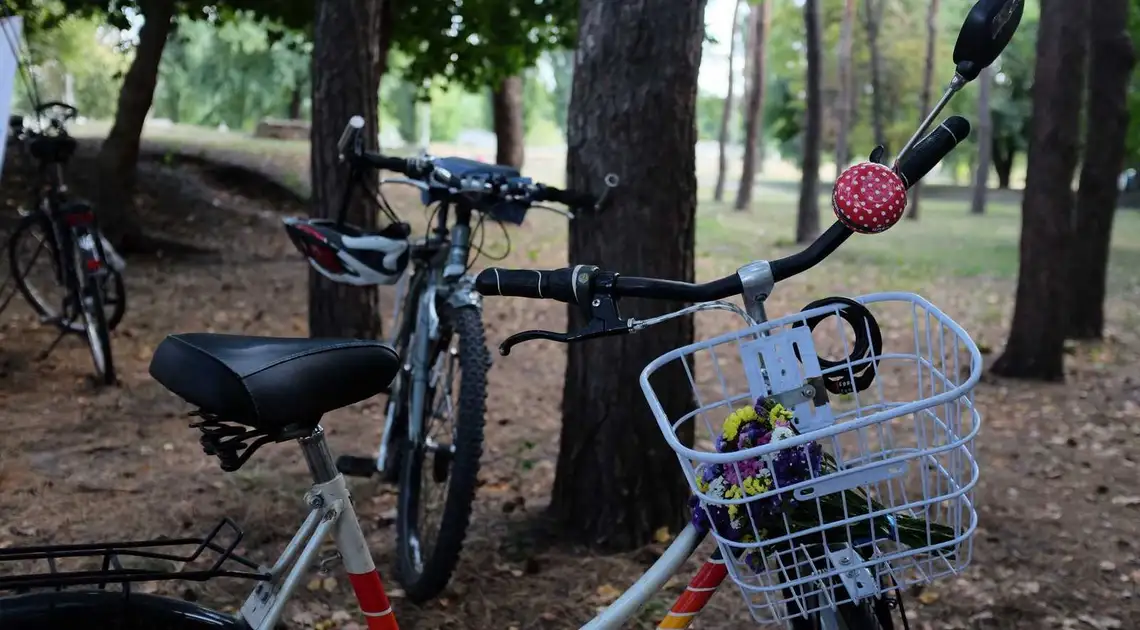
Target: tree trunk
(807, 219)
(844, 104)
(872, 20)
(507, 112)
(295, 101)
(1003, 155)
(119, 154)
(1035, 349)
(754, 109)
(985, 141)
(1106, 126)
(726, 113)
(346, 80)
(616, 480)
(927, 86)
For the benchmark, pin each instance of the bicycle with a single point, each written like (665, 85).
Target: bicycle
(251, 391)
(82, 263)
(433, 429)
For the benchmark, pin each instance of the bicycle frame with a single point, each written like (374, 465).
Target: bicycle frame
(439, 274)
(332, 515)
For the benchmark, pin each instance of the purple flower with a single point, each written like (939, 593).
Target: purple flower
(747, 468)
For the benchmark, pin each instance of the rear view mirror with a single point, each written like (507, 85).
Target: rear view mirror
(984, 35)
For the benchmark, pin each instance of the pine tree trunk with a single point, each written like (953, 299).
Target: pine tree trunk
(507, 112)
(1035, 349)
(927, 88)
(807, 218)
(346, 80)
(985, 142)
(726, 113)
(1110, 71)
(119, 154)
(872, 20)
(845, 103)
(616, 479)
(754, 108)
(1003, 162)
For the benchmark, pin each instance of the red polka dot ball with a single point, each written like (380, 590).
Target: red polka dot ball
(869, 198)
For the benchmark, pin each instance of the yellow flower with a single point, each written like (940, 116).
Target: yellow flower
(779, 415)
(754, 486)
(733, 422)
(733, 510)
(702, 485)
(733, 492)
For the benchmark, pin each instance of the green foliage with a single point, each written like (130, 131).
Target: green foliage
(1134, 94)
(83, 48)
(234, 72)
(477, 43)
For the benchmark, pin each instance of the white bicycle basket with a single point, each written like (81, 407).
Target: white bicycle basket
(830, 499)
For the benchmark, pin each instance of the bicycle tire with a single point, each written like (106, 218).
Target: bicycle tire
(32, 297)
(431, 577)
(109, 610)
(95, 325)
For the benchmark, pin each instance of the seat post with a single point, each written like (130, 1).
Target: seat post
(317, 456)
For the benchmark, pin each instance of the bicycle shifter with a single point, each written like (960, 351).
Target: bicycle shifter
(604, 322)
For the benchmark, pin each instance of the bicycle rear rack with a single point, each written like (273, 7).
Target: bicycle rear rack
(100, 564)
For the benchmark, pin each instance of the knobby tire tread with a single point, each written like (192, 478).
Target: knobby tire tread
(474, 361)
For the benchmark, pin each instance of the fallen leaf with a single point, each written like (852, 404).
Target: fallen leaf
(927, 597)
(1126, 501)
(662, 535)
(1107, 565)
(516, 573)
(329, 584)
(314, 584)
(548, 616)
(607, 593)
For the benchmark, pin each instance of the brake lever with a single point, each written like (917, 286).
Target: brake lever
(604, 322)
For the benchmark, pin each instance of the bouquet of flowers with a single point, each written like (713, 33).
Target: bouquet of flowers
(766, 422)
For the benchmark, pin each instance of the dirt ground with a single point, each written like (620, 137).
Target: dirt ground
(1058, 502)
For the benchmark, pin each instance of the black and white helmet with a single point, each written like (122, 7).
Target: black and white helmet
(349, 255)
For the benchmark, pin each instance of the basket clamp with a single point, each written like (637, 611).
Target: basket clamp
(814, 389)
(858, 582)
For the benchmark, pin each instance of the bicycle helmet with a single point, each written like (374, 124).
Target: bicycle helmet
(349, 255)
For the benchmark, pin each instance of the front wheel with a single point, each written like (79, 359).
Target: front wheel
(439, 473)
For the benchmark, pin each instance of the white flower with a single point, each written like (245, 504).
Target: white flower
(716, 488)
(782, 433)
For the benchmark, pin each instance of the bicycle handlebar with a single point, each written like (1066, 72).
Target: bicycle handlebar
(425, 169)
(867, 198)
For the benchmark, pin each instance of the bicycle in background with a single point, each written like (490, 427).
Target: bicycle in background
(63, 235)
(432, 436)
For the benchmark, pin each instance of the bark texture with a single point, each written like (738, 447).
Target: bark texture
(872, 21)
(1035, 349)
(1110, 70)
(985, 142)
(927, 88)
(807, 217)
(507, 112)
(346, 81)
(726, 113)
(845, 104)
(634, 95)
(754, 105)
(119, 154)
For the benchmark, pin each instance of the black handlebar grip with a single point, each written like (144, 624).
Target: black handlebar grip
(571, 198)
(395, 164)
(929, 151)
(556, 284)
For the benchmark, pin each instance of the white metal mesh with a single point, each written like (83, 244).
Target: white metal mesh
(900, 450)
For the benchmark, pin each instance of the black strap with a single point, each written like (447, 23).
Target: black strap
(861, 320)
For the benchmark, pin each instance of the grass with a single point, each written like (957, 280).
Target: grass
(947, 241)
